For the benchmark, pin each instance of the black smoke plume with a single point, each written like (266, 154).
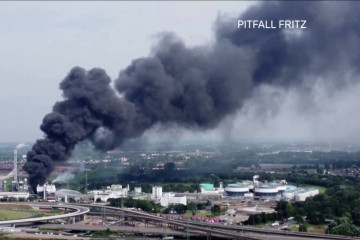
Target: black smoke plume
(197, 87)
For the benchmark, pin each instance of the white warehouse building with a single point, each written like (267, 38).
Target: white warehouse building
(156, 192)
(114, 191)
(170, 198)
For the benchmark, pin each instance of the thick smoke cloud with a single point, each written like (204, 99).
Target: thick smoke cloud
(198, 87)
(192, 87)
(329, 45)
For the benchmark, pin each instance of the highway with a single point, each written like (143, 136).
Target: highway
(160, 231)
(180, 227)
(123, 229)
(225, 231)
(78, 211)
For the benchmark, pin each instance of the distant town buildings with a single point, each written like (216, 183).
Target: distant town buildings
(157, 195)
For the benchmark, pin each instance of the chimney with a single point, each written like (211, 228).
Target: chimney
(15, 166)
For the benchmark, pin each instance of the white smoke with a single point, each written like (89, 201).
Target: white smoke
(64, 177)
(20, 145)
(9, 175)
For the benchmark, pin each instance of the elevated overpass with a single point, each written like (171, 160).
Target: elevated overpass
(242, 232)
(192, 227)
(78, 211)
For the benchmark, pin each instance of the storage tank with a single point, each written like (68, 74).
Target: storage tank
(237, 189)
(267, 191)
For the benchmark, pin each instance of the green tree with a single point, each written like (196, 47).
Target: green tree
(263, 217)
(343, 226)
(346, 229)
(216, 210)
(192, 207)
(200, 206)
(302, 228)
(180, 208)
(298, 219)
(257, 219)
(285, 208)
(169, 167)
(251, 220)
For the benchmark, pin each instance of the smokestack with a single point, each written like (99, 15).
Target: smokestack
(15, 166)
(26, 188)
(44, 193)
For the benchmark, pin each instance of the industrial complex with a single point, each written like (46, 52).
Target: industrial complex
(274, 190)
(247, 189)
(19, 188)
(269, 190)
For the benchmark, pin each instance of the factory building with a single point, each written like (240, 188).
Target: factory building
(19, 188)
(170, 199)
(209, 189)
(166, 199)
(156, 192)
(113, 191)
(137, 191)
(17, 195)
(47, 192)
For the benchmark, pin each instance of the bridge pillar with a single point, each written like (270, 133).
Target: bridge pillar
(208, 236)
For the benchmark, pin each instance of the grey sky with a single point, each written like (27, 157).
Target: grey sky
(41, 41)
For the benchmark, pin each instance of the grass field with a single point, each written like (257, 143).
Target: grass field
(317, 228)
(14, 207)
(10, 215)
(18, 211)
(311, 228)
(199, 214)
